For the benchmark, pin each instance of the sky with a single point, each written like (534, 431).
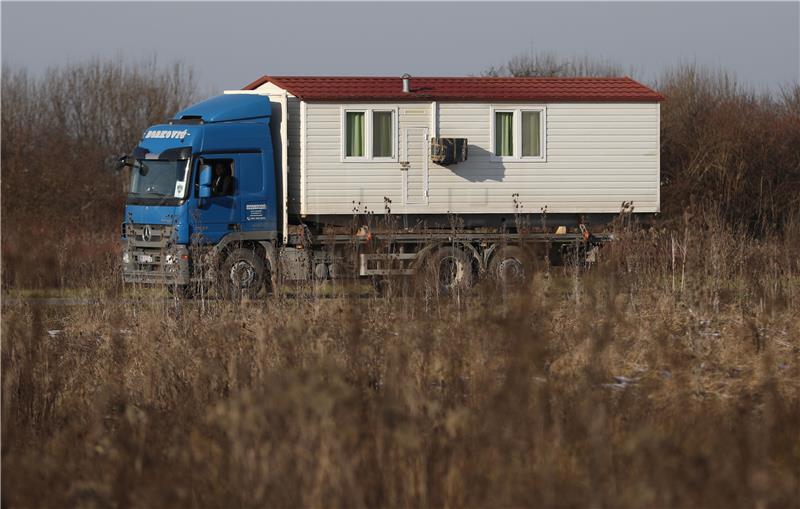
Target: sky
(232, 44)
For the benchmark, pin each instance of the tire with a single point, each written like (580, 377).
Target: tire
(451, 269)
(510, 266)
(242, 275)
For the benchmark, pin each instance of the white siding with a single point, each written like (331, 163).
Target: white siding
(598, 155)
(336, 187)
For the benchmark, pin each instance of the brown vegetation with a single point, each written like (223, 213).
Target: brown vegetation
(650, 381)
(726, 145)
(665, 376)
(62, 132)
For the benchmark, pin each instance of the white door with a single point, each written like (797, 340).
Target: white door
(415, 165)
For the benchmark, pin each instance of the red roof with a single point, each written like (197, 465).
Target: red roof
(479, 89)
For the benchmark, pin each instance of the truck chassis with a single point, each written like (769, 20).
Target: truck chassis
(455, 258)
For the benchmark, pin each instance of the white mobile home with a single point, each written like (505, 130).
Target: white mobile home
(567, 145)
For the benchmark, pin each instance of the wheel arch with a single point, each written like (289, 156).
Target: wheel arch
(264, 246)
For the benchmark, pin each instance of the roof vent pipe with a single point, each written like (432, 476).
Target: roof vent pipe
(406, 83)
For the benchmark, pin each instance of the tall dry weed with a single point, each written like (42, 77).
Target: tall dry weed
(632, 396)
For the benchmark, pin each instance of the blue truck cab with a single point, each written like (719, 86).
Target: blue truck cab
(204, 179)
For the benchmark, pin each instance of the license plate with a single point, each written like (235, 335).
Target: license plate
(145, 259)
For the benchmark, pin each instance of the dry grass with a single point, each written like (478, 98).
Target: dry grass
(485, 399)
(490, 399)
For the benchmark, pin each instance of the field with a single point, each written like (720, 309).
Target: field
(665, 375)
(646, 381)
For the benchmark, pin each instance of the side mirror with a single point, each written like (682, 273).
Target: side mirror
(205, 181)
(123, 161)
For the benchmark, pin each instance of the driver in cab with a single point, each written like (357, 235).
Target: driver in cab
(222, 184)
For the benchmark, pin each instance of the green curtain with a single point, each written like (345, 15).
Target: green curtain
(531, 126)
(504, 133)
(355, 134)
(382, 134)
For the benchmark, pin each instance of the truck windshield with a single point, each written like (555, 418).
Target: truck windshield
(153, 178)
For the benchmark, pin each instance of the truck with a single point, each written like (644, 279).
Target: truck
(301, 178)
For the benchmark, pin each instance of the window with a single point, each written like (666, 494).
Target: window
(369, 134)
(355, 134)
(504, 133)
(531, 137)
(222, 181)
(382, 145)
(518, 134)
(222, 177)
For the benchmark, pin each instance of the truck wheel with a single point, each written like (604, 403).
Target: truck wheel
(510, 266)
(451, 269)
(242, 275)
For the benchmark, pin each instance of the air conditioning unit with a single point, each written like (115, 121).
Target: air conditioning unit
(446, 151)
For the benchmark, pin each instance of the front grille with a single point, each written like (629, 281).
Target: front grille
(149, 235)
(148, 246)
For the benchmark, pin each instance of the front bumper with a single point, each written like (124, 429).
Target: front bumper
(150, 266)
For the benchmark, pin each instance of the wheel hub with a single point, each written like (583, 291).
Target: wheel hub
(510, 270)
(242, 274)
(450, 272)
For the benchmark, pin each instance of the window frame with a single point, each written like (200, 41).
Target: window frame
(517, 133)
(368, 110)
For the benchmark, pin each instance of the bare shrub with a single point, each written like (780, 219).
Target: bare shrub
(551, 65)
(722, 143)
(61, 133)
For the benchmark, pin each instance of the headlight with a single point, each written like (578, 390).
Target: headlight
(126, 257)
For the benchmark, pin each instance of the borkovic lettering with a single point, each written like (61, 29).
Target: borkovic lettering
(166, 134)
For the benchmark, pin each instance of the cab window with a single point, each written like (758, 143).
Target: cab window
(222, 177)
